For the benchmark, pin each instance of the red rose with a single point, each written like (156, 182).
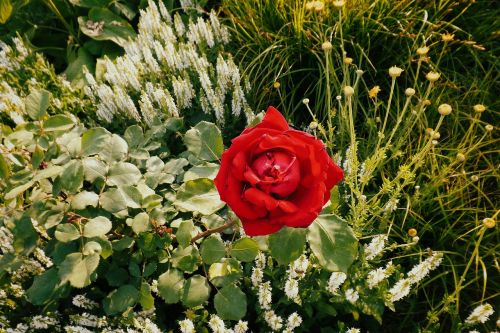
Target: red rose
(273, 176)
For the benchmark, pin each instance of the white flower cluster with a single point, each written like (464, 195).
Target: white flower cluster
(83, 302)
(258, 270)
(88, 320)
(296, 271)
(391, 205)
(480, 314)
(378, 275)
(6, 239)
(172, 56)
(335, 281)
(274, 321)
(42, 257)
(43, 322)
(265, 295)
(351, 295)
(217, 325)
(11, 102)
(375, 247)
(402, 288)
(186, 326)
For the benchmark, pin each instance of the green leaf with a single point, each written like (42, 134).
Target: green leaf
(198, 195)
(123, 173)
(115, 149)
(72, 176)
(78, 269)
(36, 103)
(4, 167)
(92, 248)
(140, 223)
(212, 250)
(58, 123)
(120, 299)
(90, 3)
(225, 272)
(134, 136)
(94, 140)
(230, 303)
(5, 10)
(103, 24)
(67, 232)
(196, 291)
(170, 284)
(152, 201)
(185, 259)
(18, 190)
(43, 287)
(205, 170)
(49, 172)
(94, 169)
(204, 141)
(106, 247)
(146, 300)
(25, 235)
(333, 242)
(96, 227)
(112, 201)
(183, 234)
(84, 199)
(75, 70)
(37, 157)
(245, 249)
(175, 166)
(287, 244)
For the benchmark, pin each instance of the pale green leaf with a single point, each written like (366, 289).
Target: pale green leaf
(333, 242)
(37, 102)
(67, 232)
(58, 123)
(204, 141)
(84, 199)
(196, 291)
(123, 173)
(96, 227)
(230, 303)
(287, 244)
(199, 195)
(170, 285)
(245, 249)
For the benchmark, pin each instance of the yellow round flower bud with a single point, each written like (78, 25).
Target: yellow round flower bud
(348, 91)
(489, 222)
(479, 108)
(474, 178)
(276, 85)
(432, 76)
(488, 127)
(429, 131)
(305, 101)
(313, 125)
(319, 6)
(395, 72)
(447, 37)
(339, 4)
(347, 60)
(326, 46)
(412, 232)
(421, 51)
(409, 92)
(373, 92)
(444, 109)
(460, 157)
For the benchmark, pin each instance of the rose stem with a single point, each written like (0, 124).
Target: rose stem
(213, 231)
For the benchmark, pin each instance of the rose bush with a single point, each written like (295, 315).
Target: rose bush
(273, 176)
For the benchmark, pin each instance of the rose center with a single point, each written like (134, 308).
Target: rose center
(279, 172)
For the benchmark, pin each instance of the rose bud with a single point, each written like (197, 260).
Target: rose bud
(273, 176)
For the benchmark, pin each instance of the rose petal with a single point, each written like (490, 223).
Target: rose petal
(287, 206)
(260, 227)
(259, 198)
(334, 174)
(251, 177)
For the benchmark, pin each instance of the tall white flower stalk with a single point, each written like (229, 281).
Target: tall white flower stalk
(165, 72)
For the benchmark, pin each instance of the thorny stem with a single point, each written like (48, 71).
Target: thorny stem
(208, 232)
